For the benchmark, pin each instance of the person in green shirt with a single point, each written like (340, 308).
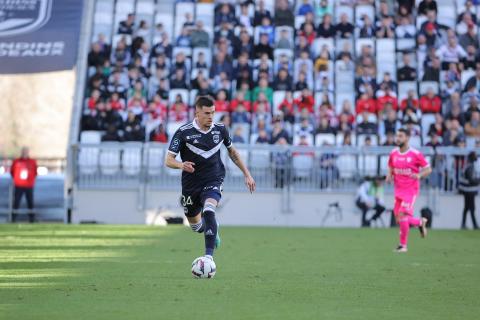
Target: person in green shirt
(263, 87)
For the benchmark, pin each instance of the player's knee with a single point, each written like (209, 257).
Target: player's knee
(209, 207)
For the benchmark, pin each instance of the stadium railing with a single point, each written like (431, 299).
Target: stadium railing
(275, 168)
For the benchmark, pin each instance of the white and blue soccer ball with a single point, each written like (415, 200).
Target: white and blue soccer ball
(203, 268)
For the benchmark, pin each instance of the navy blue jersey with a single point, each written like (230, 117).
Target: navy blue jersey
(203, 149)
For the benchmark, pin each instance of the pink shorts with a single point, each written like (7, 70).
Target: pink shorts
(404, 204)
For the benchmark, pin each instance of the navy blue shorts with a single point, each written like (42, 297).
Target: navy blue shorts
(193, 200)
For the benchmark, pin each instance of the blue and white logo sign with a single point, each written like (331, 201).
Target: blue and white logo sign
(23, 16)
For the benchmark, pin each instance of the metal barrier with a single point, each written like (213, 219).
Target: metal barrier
(275, 168)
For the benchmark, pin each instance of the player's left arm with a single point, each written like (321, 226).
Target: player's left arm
(235, 157)
(425, 168)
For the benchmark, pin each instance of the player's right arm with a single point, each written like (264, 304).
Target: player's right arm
(173, 150)
(389, 176)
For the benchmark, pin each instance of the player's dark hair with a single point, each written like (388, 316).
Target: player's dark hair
(204, 101)
(404, 130)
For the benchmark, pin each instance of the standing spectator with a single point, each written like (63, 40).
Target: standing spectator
(468, 186)
(23, 172)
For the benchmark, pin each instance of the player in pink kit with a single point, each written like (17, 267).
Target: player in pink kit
(406, 166)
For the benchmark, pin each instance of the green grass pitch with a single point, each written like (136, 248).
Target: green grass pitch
(137, 272)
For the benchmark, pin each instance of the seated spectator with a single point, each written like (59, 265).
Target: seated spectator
(453, 133)
(260, 13)
(127, 26)
(263, 88)
(474, 81)
(469, 38)
(143, 30)
(386, 29)
(456, 113)
(226, 120)
(365, 125)
(405, 28)
(283, 81)
(283, 14)
(386, 96)
(279, 132)
(240, 100)
(390, 123)
(199, 37)
(430, 102)
(267, 28)
(261, 101)
(427, 5)
(244, 20)
(94, 98)
(326, 29)
(117, 103)
(111, 134)
(132, 128)
(323, 8)
(121, 56)
(308, 33)
(223, 35)
(179, 80)
(263, 47)
(305, 8)
(301, 83)
(286, 107)
(366, 103)
(450, 52)
(262, 137)
(178, 111)
(305, 128)
(469, 98)
(410, 101)
(225, 14)
(406, 73)
(96, 57)
(470, 61)
(163, 47)
(285, 41)
(466, 23)
(452, 74)
(184, 40)
(221, 64)
(438, 127)
(365, 82)
(390, 140)
(383, 11)
(325, 127)
(159, 134)
(305, 101)
(344, 29)
(303, 46)
(432, 71)
(240, 115)
(435, 141)
(410, 117)
(137, 104)
(238, 135)
(221, 103)
(367, 29)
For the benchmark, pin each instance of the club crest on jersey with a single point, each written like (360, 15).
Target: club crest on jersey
(23, 16)
(409, 159)
(216, 138)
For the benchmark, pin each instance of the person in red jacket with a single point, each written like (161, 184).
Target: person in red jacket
(430, 103)
(305, 101)
(366, 103)
(24, 172)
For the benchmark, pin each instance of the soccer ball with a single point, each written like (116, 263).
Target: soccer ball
(203, 267)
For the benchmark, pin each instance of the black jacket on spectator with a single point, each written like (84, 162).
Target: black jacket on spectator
(96, 59)
(178, 83)
(406, 73)
(124, 28)
(257, 20)
(323, 32)
(367, 128)
(133, 131)
(284, 18)
(342, 30)
(283, 85)
(300, 85)
(238, 48)
(472, 82)
(263, 48)
(159, 49)
(423, 7)
(431, 74)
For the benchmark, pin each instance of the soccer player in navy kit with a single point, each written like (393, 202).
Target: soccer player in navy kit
(199, 144)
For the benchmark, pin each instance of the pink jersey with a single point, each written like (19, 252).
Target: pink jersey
(403, 165)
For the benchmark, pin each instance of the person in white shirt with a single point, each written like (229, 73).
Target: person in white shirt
(370, 197)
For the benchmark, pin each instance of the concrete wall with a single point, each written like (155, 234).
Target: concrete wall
(260, 209)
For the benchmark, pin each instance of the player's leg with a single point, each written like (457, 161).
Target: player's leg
(193, 211)
(211, 226)
(404, 227)
(472, 210)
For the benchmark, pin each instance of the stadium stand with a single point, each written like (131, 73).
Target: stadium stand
(311, 71)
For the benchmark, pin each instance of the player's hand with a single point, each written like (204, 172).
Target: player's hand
(388, 178)
(187, 166)
(416, 176)
(250, 183)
